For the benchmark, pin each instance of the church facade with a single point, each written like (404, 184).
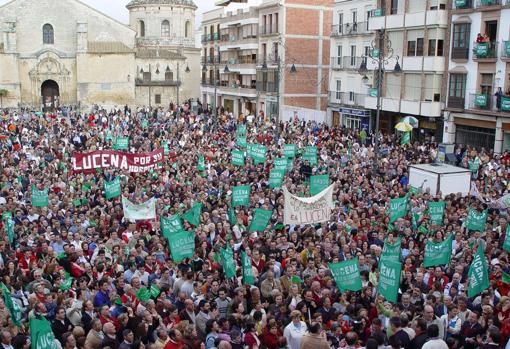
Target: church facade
(64, 52)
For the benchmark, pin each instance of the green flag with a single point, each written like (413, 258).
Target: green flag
(505, 278)
(318, 183)
(436, 212)
(260, 220)
(476, 220)
(391, 252)
(112, 189)
(67, 284)
(143, 294)
(406, 138)
(389, 280)
(241, 130)
(154, 291)
(12, 306)
(248, 278)
(170, 225)
(231, 216)
(310, 155)
(280, 164)
(438, 253)
(166, 150)
(6, 215)
(121, 143)
(41, 334)
(9, 229)
(39, 197)
(201, 163)
(398, 208)
(276, 178)
(241, 195)
(241, 141)
(227, 261)
(237, 157)
(289, 150)
(182, 245)
(478, 274)
(506, 242)
(193, 215)
(295, 279)
(258, 153)
(346, 274)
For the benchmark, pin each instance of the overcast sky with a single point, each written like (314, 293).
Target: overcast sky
(117, 8)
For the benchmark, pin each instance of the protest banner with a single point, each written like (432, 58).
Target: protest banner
(318, 183)
(260, 220)
(144, 211)
(112, 189)
(312, 210)
(389, 280)
(241, 195)
(104, 159)
(478, 274)
(40, 197)
(346, 275)
(182, 245)
(438, 253)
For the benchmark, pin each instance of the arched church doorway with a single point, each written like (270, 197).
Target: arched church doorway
(50, 94)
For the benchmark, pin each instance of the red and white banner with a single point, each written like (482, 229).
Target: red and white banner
(142, 162)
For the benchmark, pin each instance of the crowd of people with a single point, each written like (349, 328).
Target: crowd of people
(80, 265)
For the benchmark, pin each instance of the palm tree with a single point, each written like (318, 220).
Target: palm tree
(3, 93)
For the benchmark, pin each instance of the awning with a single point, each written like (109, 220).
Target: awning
(460, 69)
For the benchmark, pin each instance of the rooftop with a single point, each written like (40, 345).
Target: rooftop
(134, 3)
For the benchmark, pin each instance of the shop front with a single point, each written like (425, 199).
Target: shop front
(475, 133)
(355, 119)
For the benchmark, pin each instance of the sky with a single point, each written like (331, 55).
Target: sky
(117, 8)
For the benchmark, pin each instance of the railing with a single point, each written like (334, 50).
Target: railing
(483, 50)
(209, 82)
(268, 30)
(505, 49)
(216, 37)
(267, 86)
(213, 59)
(378, 12)
(349, 29)
(142, 82)
(485, 3)
(456, 102)
(460, 52)
(480, 101)
(462, 4)
(337, 63)
(351, 62)
(347, 98)
(241, 60)
(154, 41)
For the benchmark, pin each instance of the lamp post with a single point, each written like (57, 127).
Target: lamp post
(380, 54)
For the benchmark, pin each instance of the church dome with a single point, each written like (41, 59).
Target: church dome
(134, 3)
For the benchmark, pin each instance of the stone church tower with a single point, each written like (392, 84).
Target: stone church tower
(168, 63)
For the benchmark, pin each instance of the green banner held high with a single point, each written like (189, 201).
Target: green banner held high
(248, 278)
(436, 212)
(182, 245)
(39, 197)
(170, 225)
(193, 215)
(389, 280)
(478, 274)
(398, 208)
(260, 220)
(41, 334)
(276, 178)
(318, 183)
(241, 195)
(476, 220)
(112, 189)
(392, 252)
(346, 275)
(438, 253)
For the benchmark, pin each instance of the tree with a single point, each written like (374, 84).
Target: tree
(3, 93)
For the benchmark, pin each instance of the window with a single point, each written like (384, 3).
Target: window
(353, 55)
(276, 23)
(486, 83)
(354, 17)
(264, 51)
(460, 45)
(339, 55)
(169, 75)
(351, 96)
(338, 94)
(419, 47)
(165, 28)
(187, 29)
(394, 7)
(146, 76)
(411, 48)
(264, 23)
(270, 23)
(432, 48)
(440, 48)
(340, 23)
(142, 29)
(48, 34)
(457, 91)
(413, 87)
(157, 99)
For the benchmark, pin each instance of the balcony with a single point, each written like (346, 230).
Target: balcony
(505, 51)
(479, 101)
(266, 31)
(462, 4)
(481, 4)
(216, 37)
(485, 51)
(347, 29)
(460, 53)
(267, 86)
(337, 63)
(347, 98)
(142, 82)
(209, 82)
(238, 89)
(351, 62)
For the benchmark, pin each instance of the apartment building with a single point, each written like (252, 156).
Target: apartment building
(273, 58)
(417, 31)
(350, 43)
(210, 57)
(478, 103)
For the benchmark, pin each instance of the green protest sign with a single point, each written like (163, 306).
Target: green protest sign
(289, 150)
(318, 183)
(389, 280)
(6, 215)
(398, 208)
(182, 245)
(227, 262)
(258, 153)
(506, 242)
(41, 334)
(505, 103)
(112, 189)
(478, 274)
(436, 212)
(391, 252)
(143, 294)
(166, 150)
(438, 253)
(193, 215)
(260, 220)
(241, 130)
(276, 178)
(121, 143)
(280, 164)
(12, 306)
(476, 220)
(170, 225)
(241, 195)
(248, 278)
(9, 230)
(201, 163)
(237, 157)
(241, 142)
(39, 197)
(346, 275)
(310, 155)
(154, 291)
(231, 216)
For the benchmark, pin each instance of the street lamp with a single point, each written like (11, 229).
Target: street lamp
(380, 54)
